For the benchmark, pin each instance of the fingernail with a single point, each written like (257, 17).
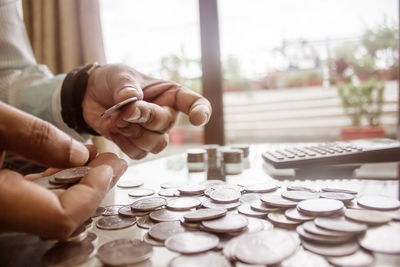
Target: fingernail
(135, 116)
(121, 124)
(79, 153)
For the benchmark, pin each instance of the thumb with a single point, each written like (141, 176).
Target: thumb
(37, 140)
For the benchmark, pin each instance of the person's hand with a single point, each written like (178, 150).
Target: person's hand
(28, 207)
(142, 126)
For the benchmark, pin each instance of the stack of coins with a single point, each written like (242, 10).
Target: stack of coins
(64, 178)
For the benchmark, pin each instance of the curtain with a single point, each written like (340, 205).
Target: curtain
(64, 35)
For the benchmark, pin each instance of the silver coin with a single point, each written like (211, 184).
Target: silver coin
(191, 225)
(228, 186)
(248, 211)
(107, 113)
(383, 239)
(294, 214)
(261, 188)
(321, 239)
(141, 192)
(127, 211)
(208, 191)
(115, 222)
(99, 211)
(320, 207)
(280, 220)
(338, 196)
(340, 224)
(151, 241)
(300, 188)
(72, 173)
(254, 225)
(183, 203)
(208, 203)
(339, 190)
(148, 204)
(249, 197)
(129, 183)
(191, 189)
(44, 182)
(331, 250)
(169, 192)
(164, 215)
(358, 259)
(378, 202)
(367, 216)
(145, 222)
(225, 195)
(312, 228)
(124, 251)
(191, 242)
(78, 234)
(111, 210)
(204, 214)
(305, 258)
(169, 185)
(278, 201)
(161, 231)
(228, 223)
(258, 205)
(299, 195)
(265, 247)
(200, 260)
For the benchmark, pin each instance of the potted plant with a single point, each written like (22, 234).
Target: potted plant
(363, 104)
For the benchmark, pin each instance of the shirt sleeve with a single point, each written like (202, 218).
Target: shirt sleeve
(24, 83)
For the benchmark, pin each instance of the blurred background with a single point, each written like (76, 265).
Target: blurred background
(291, 70)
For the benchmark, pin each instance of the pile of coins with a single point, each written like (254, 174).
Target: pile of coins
(260, 224)
(64, 178)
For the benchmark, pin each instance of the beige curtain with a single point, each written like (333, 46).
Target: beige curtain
(65, 34)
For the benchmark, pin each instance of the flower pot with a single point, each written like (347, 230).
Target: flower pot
(351, 133)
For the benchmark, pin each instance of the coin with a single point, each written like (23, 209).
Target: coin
(378, 202)
(161, 231)
(164, 215)
(278, 201)
(339, 190)
(338, 196)
(320, 207)
(340, 224)
(261, 188)
(169, 185)
(395, 215)
(228, 186)
(299, 195)
(204, 214)
(265, 247)
(111, 210)
(148, 204)
(128, 212)
(228, 223)
(258, 205)
(280, 220)
(321, 239)
(124, 251)
(249, 197)
(300, 188)
(72, 174)
(358, 259)
(44, 182)
(91, 237)
(117, 106)
(191, 189)
(208, 203)
(88, 224)
(247, 210)
(145, 222)
(183, 203)
(331, 250)
(225, 195)
(141, 192)
(99, 211)
(305, 258)
(294, 214)
(367, 216)
(191, 242)
(383, 239)
(115, 222)
(310, 227)
(68, 253)
(169, 192)
(78, 234)
(200, 260)
(191, 225)
(151, 241)
(130, 183)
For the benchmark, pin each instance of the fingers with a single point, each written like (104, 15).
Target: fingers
(128, 147)
(37, 140)
(150, 116)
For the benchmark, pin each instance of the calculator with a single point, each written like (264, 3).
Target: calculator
(334, 153)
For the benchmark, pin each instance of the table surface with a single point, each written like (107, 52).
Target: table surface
(18, 252)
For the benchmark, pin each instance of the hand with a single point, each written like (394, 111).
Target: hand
(142, 126)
